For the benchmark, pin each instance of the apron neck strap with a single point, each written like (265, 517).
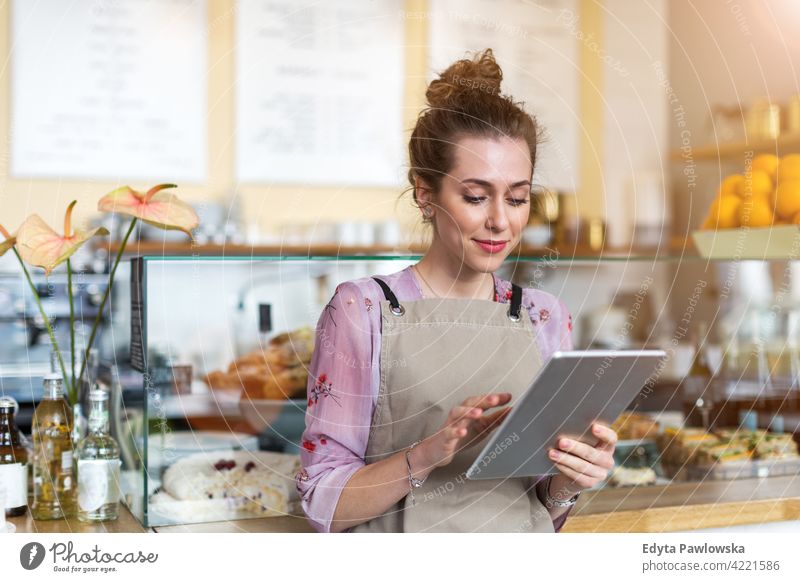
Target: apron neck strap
(387, 292)
(516, 297)
(516, 300)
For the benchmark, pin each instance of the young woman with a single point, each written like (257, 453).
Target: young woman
(411, 371)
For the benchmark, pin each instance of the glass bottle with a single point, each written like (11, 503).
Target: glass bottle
(78, 418)
(698, 386)
(98, 465)
(54, 486)
(88, 383)
(13, 460)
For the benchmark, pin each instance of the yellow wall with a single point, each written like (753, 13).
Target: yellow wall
(273, 206)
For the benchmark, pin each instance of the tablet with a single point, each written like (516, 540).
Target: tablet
(572, 390)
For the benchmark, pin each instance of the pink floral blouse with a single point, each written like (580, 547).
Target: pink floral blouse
(344, 376)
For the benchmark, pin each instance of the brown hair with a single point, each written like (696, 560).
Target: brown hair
(464, 101)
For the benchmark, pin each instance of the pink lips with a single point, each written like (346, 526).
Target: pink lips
(491, 246)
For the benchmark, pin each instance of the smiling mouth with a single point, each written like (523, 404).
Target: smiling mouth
(491, 246)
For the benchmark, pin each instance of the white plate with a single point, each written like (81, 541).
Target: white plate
(776, 242)
(174, 445)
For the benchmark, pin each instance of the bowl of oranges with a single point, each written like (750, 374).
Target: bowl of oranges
(755, 215)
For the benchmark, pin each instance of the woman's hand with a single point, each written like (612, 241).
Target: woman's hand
(465, 425)
(583, 466)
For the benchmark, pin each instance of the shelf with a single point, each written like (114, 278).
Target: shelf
(678, 248)
(785, 144)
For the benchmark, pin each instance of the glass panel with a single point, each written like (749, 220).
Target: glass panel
(204, 313)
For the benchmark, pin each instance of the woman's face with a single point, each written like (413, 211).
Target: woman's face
(484, 202)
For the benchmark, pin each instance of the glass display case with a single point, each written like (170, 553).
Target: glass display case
(212, 405)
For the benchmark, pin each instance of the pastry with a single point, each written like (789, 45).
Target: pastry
(292, 348)
(227, 485)
(277, 372)
(677, 445)
(624, 476)
(291, 383)
(734, 450)
(636, 426)
(774, 446)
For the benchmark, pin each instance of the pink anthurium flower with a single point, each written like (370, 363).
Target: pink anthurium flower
(41, 246)
(160, 209)
(7, 242)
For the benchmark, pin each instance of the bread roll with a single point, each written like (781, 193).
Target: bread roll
(290, 383)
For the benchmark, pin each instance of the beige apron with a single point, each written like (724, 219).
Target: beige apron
(434, 354)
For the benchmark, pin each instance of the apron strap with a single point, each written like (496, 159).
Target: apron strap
(396, 308)
(516, 302)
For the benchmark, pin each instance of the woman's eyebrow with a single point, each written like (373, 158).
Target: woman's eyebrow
(480, 182)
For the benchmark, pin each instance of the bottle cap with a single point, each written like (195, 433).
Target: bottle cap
(53, 376)
(8, 403)
(98, 395)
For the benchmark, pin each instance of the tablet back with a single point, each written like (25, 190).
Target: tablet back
(572, 391)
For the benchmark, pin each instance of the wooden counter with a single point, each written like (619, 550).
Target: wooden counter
(686, 506)
(661, 508)
(126, 523)
(287, 524)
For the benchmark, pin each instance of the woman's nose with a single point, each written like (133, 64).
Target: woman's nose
(496, 217)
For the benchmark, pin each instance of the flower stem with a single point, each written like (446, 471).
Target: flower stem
(47, 325)
(105, 298)
(71, 323)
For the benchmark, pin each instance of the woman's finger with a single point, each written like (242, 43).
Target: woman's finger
(454, 433)
(579, 479)
(488, 400)
(461, 412)
(577, 464)
(489, 421)
(608, 437)
(586, 452)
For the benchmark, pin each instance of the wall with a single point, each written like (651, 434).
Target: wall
(729, 53)
(276, 205)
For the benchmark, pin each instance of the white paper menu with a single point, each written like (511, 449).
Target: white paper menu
(535, 44)
(319, 92)
(112, 89)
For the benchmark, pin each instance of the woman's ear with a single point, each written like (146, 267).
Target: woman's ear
(424, 197)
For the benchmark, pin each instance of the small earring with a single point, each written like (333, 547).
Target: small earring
(427, 212)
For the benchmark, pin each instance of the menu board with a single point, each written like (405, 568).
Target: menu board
(319, 92)
(535, 45)
(109, 90)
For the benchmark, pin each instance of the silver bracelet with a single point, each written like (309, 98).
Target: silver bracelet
(552, 501)
(413, 482)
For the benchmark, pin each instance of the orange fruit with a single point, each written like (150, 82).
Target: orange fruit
(789, 168)
(724, 213)
(756, 211)
(766, 163)
(787, 198)
(710, 221)
(757, 183)
(730, 186)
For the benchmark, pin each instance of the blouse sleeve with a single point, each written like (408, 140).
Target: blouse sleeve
(564, 329)
(555, 334)
(340, 405)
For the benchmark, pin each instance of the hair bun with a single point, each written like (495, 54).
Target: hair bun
(466, 77)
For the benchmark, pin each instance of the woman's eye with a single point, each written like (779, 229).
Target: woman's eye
(474, 199)
(518, 201)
